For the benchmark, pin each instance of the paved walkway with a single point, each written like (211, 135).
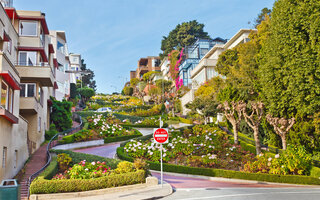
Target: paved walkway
(107, 150)
(37, 160)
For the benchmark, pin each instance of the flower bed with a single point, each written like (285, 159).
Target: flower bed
(85, 175)
(203, 146)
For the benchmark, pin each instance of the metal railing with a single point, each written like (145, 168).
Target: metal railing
(38, 64)
(51, 144)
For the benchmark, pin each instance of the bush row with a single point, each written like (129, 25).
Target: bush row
(43, 186)
(121, 138)
(226, 173)
(77, 157)
(51, 170)
(132, 119)
(142, 138)
(165, 125)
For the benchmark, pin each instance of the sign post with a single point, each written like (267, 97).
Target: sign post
(161, 136)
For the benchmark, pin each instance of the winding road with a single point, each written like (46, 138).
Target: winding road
(198, 187)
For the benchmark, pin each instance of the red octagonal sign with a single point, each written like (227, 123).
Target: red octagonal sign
(160, 135)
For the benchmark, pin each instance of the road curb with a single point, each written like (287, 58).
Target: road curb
(220, 179)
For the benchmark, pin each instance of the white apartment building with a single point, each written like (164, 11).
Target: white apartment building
(205, 70)
(75, 65)
(62, 64)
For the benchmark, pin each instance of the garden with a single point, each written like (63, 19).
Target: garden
(74, 172)
(207, 150)
(99, 126)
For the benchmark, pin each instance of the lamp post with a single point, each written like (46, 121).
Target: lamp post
(82, 73)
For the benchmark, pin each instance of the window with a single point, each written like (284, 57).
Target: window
(27, 90)
(4, 157)
(42, 37)
(39, 124)
(60, 47)
(28, 28)
(9, 46)
(40, 93)
(4, 95)
(15, 162)
(28, 58)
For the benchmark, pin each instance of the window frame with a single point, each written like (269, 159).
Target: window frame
(27, 56)
(26, 89)
(28, 21)
(4, 156)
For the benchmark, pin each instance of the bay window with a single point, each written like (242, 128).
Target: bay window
(28, 58)
(28, 90)
(6, 97)
(28, 28)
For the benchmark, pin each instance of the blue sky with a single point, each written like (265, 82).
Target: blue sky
(111, 35)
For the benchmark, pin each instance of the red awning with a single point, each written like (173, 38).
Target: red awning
(9, 116)
(40, 49)
(55, 63)
(51, 49)
(6, 37)
(55, 86)
(6, 75)
(11, 12)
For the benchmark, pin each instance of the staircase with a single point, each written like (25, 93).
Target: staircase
(37, 161)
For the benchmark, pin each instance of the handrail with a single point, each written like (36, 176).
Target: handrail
(48, 152)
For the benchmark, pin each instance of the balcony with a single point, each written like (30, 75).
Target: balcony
(29, 105)
(188, 62)
(36, 73)
(8, 115)
(202, 64)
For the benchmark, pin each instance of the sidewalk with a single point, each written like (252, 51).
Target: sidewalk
(37, 160)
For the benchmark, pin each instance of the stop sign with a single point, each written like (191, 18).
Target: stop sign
(160, 135)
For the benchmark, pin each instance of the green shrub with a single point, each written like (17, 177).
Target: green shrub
(186, 121)
(78, 157)
(67, 139)
(294, 179)
(43, 186)
(64, 161)
(51, 132)
(124, 167)
(51, 170)
(315, 172)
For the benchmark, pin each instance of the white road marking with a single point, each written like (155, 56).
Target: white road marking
(250, 194)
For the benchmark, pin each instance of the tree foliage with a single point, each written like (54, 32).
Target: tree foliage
(128, 91)
(262, 16)
(290, 71)
(61, 114)
(87, 80)
(86, 93)
(184, 34)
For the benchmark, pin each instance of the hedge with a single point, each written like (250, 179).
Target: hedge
(121, 138)
(132, 119)
(186, 121)
(77, 157)
(142, 138)
(315, 172)
(85, 114)
(43, 186)
(294, 179)
(51, 170)
(165, 125)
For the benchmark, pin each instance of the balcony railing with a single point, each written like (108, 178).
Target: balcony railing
(39, 64)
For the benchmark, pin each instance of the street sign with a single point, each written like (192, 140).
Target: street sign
(161, 135)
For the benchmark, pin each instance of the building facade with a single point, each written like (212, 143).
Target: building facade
(62, 63)
(151, 63)
(75, 66)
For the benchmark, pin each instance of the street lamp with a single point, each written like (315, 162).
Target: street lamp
(82, 73)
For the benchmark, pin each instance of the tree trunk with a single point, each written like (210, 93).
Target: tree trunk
(284, 142)
(235, 133)
(257, 140)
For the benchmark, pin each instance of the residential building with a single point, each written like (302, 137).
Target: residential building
(132, 74)
(205, 69)
(165, 68)
(151, 63)
(192, 56)
(75, 65)
(62, 63)
(13, 127)
(36, 70)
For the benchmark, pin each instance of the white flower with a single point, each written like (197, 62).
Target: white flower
(277, 156)
(93, 163)
(86, 169)
(227, 154)
(269, 159)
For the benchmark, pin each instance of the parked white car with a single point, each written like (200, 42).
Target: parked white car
(104, 109)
